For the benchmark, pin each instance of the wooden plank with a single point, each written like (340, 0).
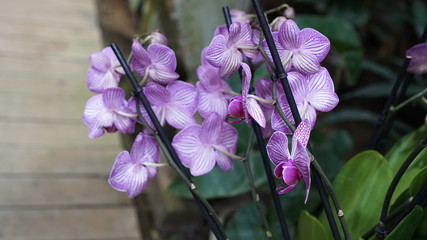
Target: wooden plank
(57, 161)
(76, 224)
(69, 108)
(45, 192)
(51, 135)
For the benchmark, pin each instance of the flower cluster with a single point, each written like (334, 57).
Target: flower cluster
(201, 145)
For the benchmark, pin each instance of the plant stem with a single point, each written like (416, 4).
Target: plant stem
(401, 105)
(205, 207)
(421, 145)
(271, 183)
(254, 194)
(280, 71)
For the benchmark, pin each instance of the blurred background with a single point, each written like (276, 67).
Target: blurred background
(53, 178)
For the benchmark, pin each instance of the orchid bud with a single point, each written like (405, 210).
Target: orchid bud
(157, 37)
(239, 16)
(289, 13)
(235, 108)
(277, 23)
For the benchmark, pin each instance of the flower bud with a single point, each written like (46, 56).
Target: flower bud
(289, 13)
(235, 107)
(157, 37)
(277, 22)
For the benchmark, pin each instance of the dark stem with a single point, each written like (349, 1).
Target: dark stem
(377, 137)
(213, 222)
(325, 204)
(280, 71)
(271, 183)
(396, 180)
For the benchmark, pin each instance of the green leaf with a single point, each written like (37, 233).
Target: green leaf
(401, 150)
(419, 180)
(342, 34)
(245, 224)
(406, 228)
(360, 187)
(310, 228)
(419, 12)
(218, 183)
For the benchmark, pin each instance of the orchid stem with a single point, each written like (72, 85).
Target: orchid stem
(254, 194)
(403, 104)
(421, 145)
(203, 204)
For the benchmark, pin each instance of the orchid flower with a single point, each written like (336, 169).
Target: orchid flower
(246, 106)
(226, 52)
(213, 92)
(105, 71)
(157, 63)
(418, 54)
(175, 104)
(200, 148)
(109, 112)
(300, 50)
(312, 93)
(130, 172)
(294, 166)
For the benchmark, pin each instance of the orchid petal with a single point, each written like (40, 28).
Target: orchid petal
(255, 111)
(283, 188)
(305, 62)
(418, 54)
(179, 117)
(203, 162)
(315, 43)
(277, 148)
(214, 52)
(113, 98)
(156, 94)
(162, 55)
(302, 133)
(302, 162)
(187, 143)
(184, 94)
(289, 35)
(224, 162)
(211, 128)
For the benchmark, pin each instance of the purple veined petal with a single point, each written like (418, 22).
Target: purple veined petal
(101, 61)
(161, 74)
(98, 81)
(302, 162)
(320, 81)
(221, 30)
(203, 162)
(113, 98)
(93, 106)
(146, 149)
(278, 170)
(228, 138)
(302, 133)
(289, 35)
(244, 38)
(184, 94)
(246, 79)
(156, 94)
(255, 111)
(299, 87)
(211, 128)
(232, 59)
(162, 55)
(418, 54)
(127, 176)
(283, 188)
(214, 52)
(187, 143)
(179, 117)
(209, 77)
(224, 162)
(96, 132)
(277, 148)
(239, 16)
(140, 60)
(211, 102)
(305, 62)
(124, 124)
(315, 43)
(323, 101)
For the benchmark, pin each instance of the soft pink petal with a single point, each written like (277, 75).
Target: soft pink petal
(305, 62)
(323, 101)
(203, 162)
(255, 111)
(212, 102)
(156, 94)
(184, 94)
(161, 74)
(302, 133)
(124, 124)
(315, 43)
(211, 128)
(179, 117)
(113, 98)
(320, 81)
(162, 55)
(214, 52)
(232, 58)
(228, 138)
(277, 148)
(187, 143)
(289, 35)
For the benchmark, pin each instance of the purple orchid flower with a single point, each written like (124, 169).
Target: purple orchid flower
(300, 50)
(105, 71)
(226, 52)
(312, 93)
(175, 104)
(157, 63)
(246, 106)
(109, 112)
(294, 166)
(418, 64)
(201, 147)
(213, 92)
(130, 172)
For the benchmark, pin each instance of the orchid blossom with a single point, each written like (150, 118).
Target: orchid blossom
(418, 54)
(294, 166)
